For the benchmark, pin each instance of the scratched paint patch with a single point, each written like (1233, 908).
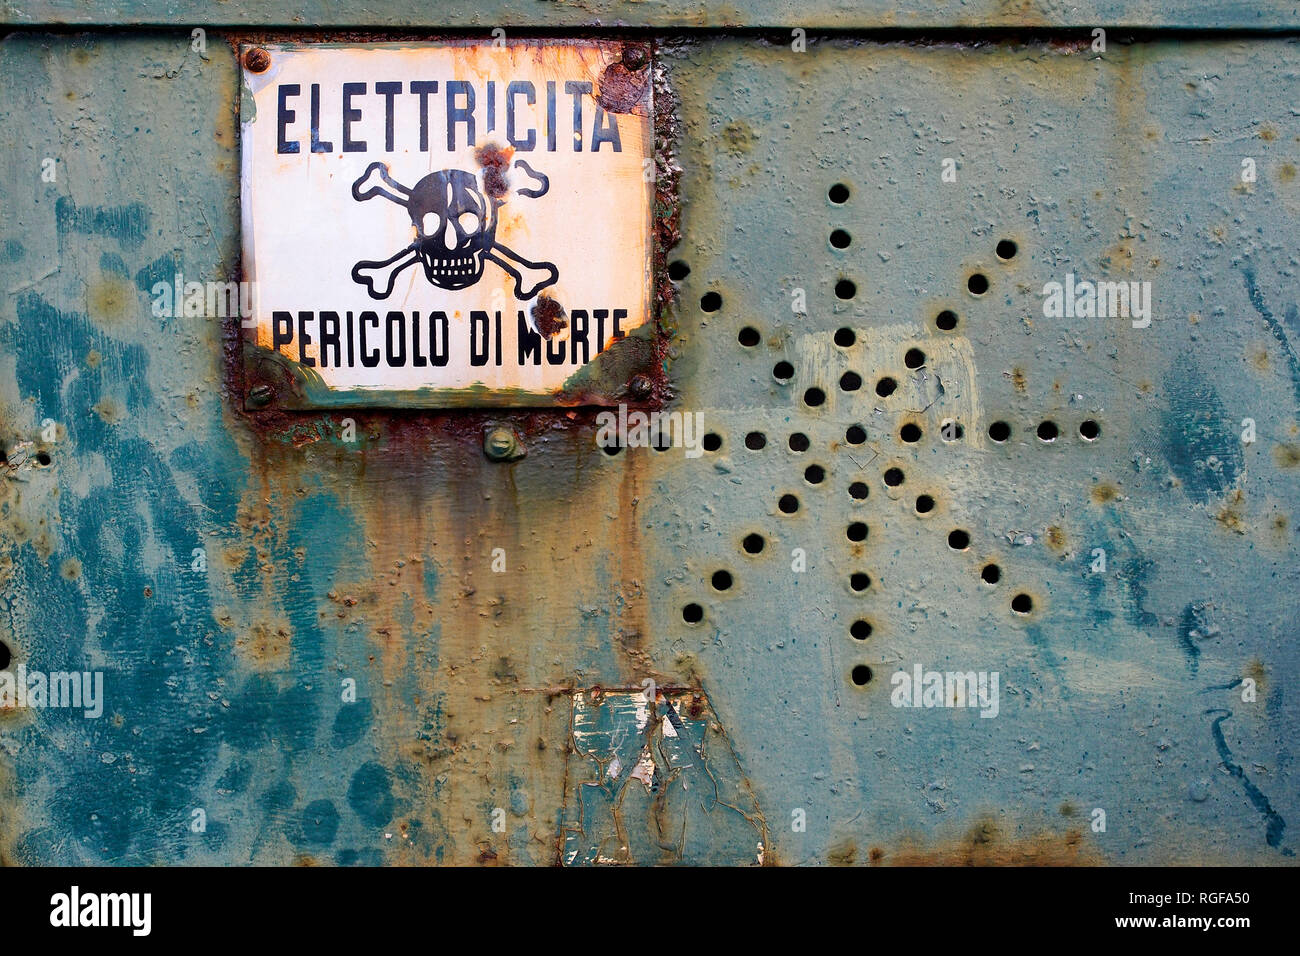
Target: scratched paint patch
(443, 224)
(656, 782)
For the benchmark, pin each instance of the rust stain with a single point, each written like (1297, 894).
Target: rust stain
(1286, 454)
(548, 316)
(985, 844)
(496, 166)
(1104, 493)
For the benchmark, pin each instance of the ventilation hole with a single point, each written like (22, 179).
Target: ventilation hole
(814, 397)
(749, 337)
(43, 458)
(914, 358)
(845, 289)
(722, 580)
(711, 302)
(894, 477)
(859, 580)
(885, 387)
(924, 504)
(850, 381)
(611, 450)
(910, 433)
(840, 239)
(1089, 430)
(789, 504)
(692, 614)
(946, 320)
(999, 432)
(856, 531)
(958, 539)
(753, 544)
(783, 371)
(712, 441)
(1006, 249)
(798, 442)
(678, 270)
(814, 474)
(860, 629)
(855, 435)
(838, 194)
(661, 443)
(1047, 431)
(755, 440)
(844, 338)
(991, 574)
(861, 675)
(978, 283)
(858, 490)
(1022, 603)
(951, 430)
(6, 655)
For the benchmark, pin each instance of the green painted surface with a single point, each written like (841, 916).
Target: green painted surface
(324, 561)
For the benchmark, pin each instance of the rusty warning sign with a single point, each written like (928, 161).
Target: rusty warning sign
(438, 224)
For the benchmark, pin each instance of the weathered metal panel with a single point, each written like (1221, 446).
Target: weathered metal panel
(228, 573)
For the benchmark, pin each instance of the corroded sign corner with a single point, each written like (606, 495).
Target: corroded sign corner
(447, 224)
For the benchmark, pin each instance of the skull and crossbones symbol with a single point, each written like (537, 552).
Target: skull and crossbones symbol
(455, 231)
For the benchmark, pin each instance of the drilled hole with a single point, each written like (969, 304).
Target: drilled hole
(6, 655)
(958, 539)
(999, 432)
(1047, 431)
(678, 270)
(755, 440)
(814, 397)
(789, 504)
(840, 239)
(924, 504)
(1022, 603)
(858, 490)
(838, 194)
(991, 574)
(861, 675)
(712, 441)
(946, 320)
(914, 358)
(753, 544)
(1089, 430)
(860, 630)
(611, 450)
(893, 477)
(814, 474)
(856, 531)
(783, 371)
(749, 337)
(850, 381)
(855, 434)
(1006, 249)
(43, 458)
(711, 302)
(910, 433)
(978, 284)
(844, 338)
(845, 289)
(859, 580)
(885, 387)
(722, 580)
(798, 442)
(951, 430)
(692, 614)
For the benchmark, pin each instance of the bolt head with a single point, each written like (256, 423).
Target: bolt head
(257, 60)
(640, 386)
(259, 396)
(635, 57)
(501, 444)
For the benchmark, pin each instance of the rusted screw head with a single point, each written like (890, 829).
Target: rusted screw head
(257, 60)
(640, 386)
(635, 57)
(259, 396)
(501, 444)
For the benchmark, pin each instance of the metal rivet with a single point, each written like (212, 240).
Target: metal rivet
(635, 57)
(257, 60)
(640, 386)
(259, 396)
(501, 444)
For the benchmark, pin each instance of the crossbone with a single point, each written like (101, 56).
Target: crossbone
(455, 225)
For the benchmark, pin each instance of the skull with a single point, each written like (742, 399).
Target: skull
(455, 224)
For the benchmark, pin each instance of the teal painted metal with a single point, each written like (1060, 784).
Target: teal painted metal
(228, 576)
